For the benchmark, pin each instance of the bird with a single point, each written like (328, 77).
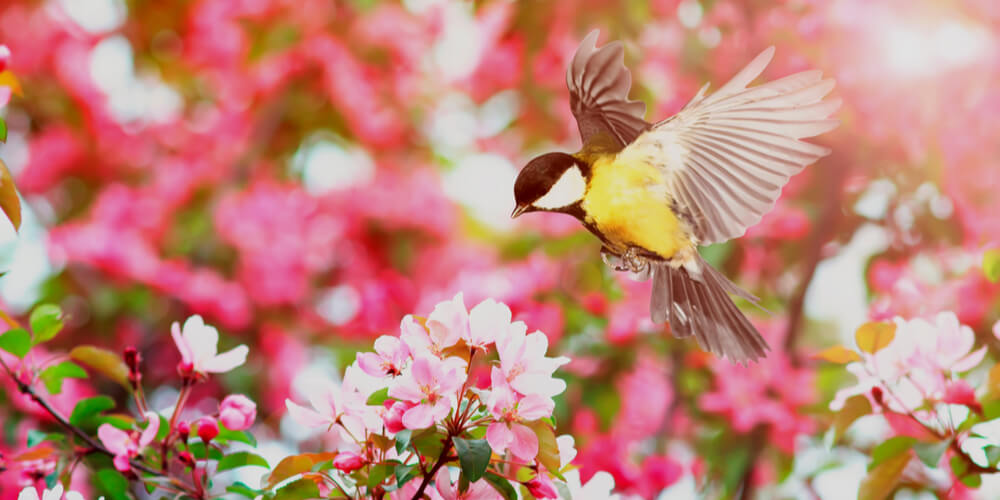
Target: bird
(654, 192)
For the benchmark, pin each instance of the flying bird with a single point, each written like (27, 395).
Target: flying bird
(654, 192)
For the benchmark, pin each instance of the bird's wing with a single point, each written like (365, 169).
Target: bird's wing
(598, 84)
(726, 156)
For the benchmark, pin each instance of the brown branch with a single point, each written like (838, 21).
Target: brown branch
(442, 459)
(757, 442)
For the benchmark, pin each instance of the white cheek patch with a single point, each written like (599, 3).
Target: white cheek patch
(568, 190)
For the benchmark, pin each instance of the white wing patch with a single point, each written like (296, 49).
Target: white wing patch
(566, 191)
(726, 156)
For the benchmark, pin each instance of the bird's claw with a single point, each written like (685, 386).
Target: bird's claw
(633, 261)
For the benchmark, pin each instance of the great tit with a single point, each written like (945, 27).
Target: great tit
(654, 192)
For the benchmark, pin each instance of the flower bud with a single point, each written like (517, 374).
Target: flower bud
(184, 429)
(877, 395)
(348, 461)
(237, 412)
(132, 360)
(186, 458)
(541, 486)
(393, 416)
(208, 428)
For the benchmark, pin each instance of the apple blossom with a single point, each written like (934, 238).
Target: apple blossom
(329, 408)
(208, 428)
(524, 364)
(488, 321)
(126, 445)
(237, 412)
(348, 461)
(198, 344)
(479, 490)
(541, 486)
(430, 383)
(448, 322)
(55, 493)
(510, 412)
(388, 359)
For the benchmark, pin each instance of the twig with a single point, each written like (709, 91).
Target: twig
(442, 459)
(757, 441)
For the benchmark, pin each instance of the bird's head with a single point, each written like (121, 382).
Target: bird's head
(552, 182)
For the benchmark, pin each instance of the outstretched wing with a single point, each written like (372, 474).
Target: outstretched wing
(598, 84)
(725, 157)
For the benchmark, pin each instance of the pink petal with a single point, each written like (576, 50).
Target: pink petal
(442, 482)
(305, 416)
(149, 433)
(371, 364)
(182, 346)
(423, 370)
(525, 443)
(4, 96)
(419, 417)
(406, 389)
(227, 360)
(499, 437)
(448, 322)
(969, 362)
(114, 439)
(121, 463)
(387, 346)
(534, 407)
(201, 338)
(487, 321)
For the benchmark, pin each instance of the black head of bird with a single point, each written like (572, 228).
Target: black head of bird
(551, 182)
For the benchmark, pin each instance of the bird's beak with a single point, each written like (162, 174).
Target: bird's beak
(518, 210)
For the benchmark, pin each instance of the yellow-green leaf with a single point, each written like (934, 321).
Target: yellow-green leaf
(882, 480)
(854, 408)
(874, 336)
(548, 448)
(991, 264)
(838, 354)
(9, 202)
(102, 361)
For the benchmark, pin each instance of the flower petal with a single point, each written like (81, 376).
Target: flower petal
(227, 360)
(499, 437)
(534, 407)
(186, 355)
(305, 416)
(114, 439)
(201, 338)
(149, 433)
(525, 443)
(28, 493)
(419, 417)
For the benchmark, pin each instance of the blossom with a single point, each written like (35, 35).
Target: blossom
(198, 344)
(524, 364)
(488, 320)
(388, 359)
(448, 322)
(432, 384)
(330, 406)
(541, 486)
(4, 57)
(509, 411)
(208, 428)
(479, 490)
(601, 485)
(56, 493)
(348, 461)
(126, 445)
(237, 412)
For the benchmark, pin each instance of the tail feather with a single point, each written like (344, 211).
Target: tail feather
(701, 306)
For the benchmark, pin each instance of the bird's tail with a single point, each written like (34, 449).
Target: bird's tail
(699, 304)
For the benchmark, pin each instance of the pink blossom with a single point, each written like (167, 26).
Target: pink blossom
(348, 461)
(448, 322)
(388, 359)
(541, 486)
(237, 412)
(4, 57)
(331, 406)
(488, 320)
(479, 490)
(524, 364)
(208, 428)
(432, 384)
(198, 344)
(392, 417)
(510, 413)
(126, 445)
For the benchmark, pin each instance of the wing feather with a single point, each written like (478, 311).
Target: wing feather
(739, 146)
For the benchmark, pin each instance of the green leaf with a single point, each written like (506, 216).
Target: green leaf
(9, 202)
(231, 435)
(991, 264)
(53, 376)
(102, 361)
(377, 474)
(113, 483)
(428, 442)
(46, 322)
(3, 130)
(474, 457)
(972, 480)
(240, 488)
(403, 440)
(502, 485)
(288, 467)
(548, 447)
(404, 473)
(298, 490)
(89, 407)
(36, 436)
(16, 341)
(992, 455)
(958, 466)
(930, 453)
(378, 397)
(241, 459)
(890, 448)
(882, 480)
(854, 408)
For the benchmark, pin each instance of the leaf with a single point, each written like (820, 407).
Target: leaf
(991, 264)
(113, 483)
(882, 480)
(930, 453)
(102, 361)
(288, 467)
(548, 448)
(37, 436)
(403, 440)
(226, 435)
(377, 474)
(972, 480)
(378, 397)
(473, 456)
(502, 485)
(9, 202)
(88, 407)
(241, 459)
(46, 322)
(3, 130)
(298, 490)
(404, 473)
(854, 408)
(42, 451)
(890, 448)
(874, 336)
(16, 341)
(838, 354)
(54, 375)
(428, 442)
(240, 488)
(992, 455)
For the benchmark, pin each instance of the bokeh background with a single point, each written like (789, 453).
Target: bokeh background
(303, 173)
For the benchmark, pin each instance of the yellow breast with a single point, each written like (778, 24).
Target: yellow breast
(627, 201)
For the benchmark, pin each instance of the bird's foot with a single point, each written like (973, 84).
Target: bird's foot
(633, 261)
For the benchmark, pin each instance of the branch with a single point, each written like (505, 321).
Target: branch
(442, 459)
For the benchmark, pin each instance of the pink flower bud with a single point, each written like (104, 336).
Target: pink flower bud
(237, 412)
(208, 428)
(541, 486)
(186, 458)
(183, 428)
(4, 57)
(393, 416)
(348, 461)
